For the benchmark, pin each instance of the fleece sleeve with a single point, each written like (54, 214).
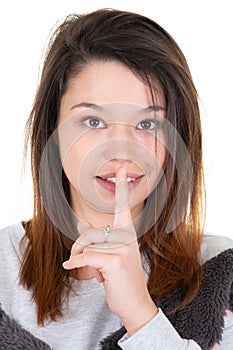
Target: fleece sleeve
(227, 338)
(156, 335)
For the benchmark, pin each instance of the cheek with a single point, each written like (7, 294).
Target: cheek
(81, 159)
(71, 164)
(74, 159)
(157, 148)
(161, 153)
(154, 157)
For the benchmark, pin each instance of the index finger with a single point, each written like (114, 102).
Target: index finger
(122, 213)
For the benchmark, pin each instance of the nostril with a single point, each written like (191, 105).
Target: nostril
(121, 161)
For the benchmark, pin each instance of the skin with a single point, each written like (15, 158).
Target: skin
(106, 83)
(116, 263)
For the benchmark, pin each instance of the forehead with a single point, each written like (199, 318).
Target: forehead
(109, 82)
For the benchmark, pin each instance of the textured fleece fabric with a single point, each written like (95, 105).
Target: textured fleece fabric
(88, 324)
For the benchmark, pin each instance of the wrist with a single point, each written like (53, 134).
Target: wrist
(140, 317)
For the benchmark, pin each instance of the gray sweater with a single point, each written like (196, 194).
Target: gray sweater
(87, 317)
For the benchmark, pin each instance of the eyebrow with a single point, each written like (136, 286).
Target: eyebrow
(87, 104)
(154, 108)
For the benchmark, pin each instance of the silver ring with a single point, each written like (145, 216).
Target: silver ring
(106, 233)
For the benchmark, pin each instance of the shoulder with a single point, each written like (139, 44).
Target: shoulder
(213, 245)
(10, 261)
(10, 238)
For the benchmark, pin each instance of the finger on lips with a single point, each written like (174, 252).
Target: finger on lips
(122, 214)
(121, 233)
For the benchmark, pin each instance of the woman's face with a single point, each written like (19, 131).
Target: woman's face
(107, 121)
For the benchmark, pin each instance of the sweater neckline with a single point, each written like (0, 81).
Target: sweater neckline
(86, 286)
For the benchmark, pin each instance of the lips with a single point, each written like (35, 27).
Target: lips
(108, 181)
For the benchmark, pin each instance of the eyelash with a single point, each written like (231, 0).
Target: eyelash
(155, 122)
(86, 121)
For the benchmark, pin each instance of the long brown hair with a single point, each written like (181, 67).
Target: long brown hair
(152, 54)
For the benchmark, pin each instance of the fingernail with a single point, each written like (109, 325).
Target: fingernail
(65, 264)
(123, 172)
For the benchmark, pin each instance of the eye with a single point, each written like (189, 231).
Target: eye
(94, 122)
(147, 124)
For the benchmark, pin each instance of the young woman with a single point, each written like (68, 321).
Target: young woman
(114, 256)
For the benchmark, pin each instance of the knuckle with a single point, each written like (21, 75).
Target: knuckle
(117, 262)
(74, 248)
(85, 238)
(125, 250)
(85, 256)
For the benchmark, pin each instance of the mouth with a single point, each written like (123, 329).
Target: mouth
(108, 181)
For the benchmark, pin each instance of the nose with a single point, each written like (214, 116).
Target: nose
(120, 131)
(120, 144)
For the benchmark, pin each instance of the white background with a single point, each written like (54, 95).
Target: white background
(203, 29)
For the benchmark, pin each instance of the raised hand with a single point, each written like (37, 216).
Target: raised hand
(117, 262)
